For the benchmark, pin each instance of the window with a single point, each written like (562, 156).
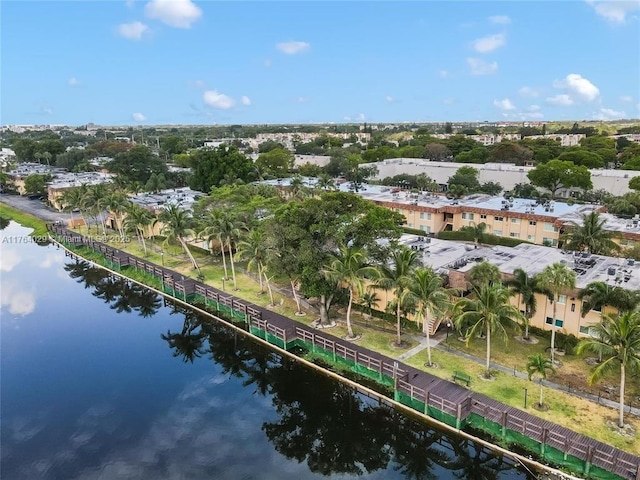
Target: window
(410, 225)
(531, 238)
(549, 321)
(533, 223)
(548, 227)
(587, 330)
(467, 216)
(425, 216)
(514, 235)
(425, 228)
(498, 219)
(573, 307)
(562, 299)
(550, 242)
(483, 217)
(515, 220)
(498, 233)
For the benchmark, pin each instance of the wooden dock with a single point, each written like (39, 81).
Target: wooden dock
(441, 399)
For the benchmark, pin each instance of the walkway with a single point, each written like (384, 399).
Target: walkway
(437, 343)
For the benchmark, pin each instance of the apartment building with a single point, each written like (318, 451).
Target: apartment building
(565, 139)
(455, 260)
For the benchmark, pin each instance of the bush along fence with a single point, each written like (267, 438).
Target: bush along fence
(440, 399)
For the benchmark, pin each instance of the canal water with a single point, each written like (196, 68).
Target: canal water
(101, 379)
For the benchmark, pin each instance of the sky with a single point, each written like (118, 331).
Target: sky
(117, 62)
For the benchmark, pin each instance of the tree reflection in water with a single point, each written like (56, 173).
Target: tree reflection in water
(331, 427)
(323, 423)
(121, 295)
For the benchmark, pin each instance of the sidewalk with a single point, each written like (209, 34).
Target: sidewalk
(437, 340)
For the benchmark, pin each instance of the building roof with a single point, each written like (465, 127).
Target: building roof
(446, 255)
(71, 180)
(182, 197)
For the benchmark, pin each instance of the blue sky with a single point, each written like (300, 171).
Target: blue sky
(190, 62)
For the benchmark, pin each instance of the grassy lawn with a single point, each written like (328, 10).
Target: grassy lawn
(573, 372)
(24, 219)
(572, 412)
(249, 289)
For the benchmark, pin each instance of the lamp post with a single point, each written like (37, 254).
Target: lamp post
(525, 396)
(223, 284)
(162, 258)
(448, 327)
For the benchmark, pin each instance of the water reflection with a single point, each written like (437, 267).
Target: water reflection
(121, 295)
(327, 425)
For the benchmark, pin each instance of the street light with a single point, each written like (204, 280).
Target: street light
(525, 396)
(448, 327)
(162, 258)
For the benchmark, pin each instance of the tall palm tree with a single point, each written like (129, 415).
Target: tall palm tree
(71, 199)
(487, 311)
(526, 288)
(117, 203)
(557, 278)
(97, 197)
(590, 234)
(38, 157)
(538, 364)
(477, 231)
(396, 277)
(350, 269)
(178, 226)
(369, 299)
(617, 339)
(484, 272)
(138, 219)
(425, 290)
(212, 230)
(325, 182)
(254, 249)
(230, 229)
(46, 156)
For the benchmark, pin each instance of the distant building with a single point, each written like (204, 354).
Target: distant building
(565, 139)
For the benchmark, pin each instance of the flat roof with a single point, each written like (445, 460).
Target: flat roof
(182, 197)
(446, 255)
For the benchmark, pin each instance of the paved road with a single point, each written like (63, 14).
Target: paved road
(35, 208)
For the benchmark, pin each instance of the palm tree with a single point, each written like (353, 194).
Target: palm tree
(47, 157)
(137, 219)
(230, 232)
(325, 182)
(477, 231)
(38, 157)
(212, 230)
(397, 277)
(71, 199)
(117, 203)
(618, 341)
(538, 364)
(488, 311)
(349, 268)
(254, 250)
(484, 272)
(526, 288)
(425, 290)
(556, 278)
(590, 234)
(369, 299)
(177, 226)
(97, 198)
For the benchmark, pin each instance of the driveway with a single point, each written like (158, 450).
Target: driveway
(34, 207)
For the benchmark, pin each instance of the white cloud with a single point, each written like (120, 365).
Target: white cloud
(175, 13)
(73, 82)
(138, 117)
(523, 115)
(47, 110)
(609, 114)
(560, 100)
(500, 19)
(504, 104)
(293, 47)
(638, 106)
(391, 99)
(579, 87)
(443, 73)
(301, 100)
(244, 100)
(346, 119)
(615, 11)
(17, 301)
(130, 3)
(132, 31)
(218, 100)
(489, 43)
(361, 117)
(267, 63)
(480, 67)
(528, 92)
(10, 258)
(626, 98)
(449, 101)
(533, 108)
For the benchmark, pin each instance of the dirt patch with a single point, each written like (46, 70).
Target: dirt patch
(433, 365)
(403, 344)
(541, 408)
(628, 431)
(353, 339)
(528, 341)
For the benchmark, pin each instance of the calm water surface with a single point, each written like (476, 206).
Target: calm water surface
(102, 380)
